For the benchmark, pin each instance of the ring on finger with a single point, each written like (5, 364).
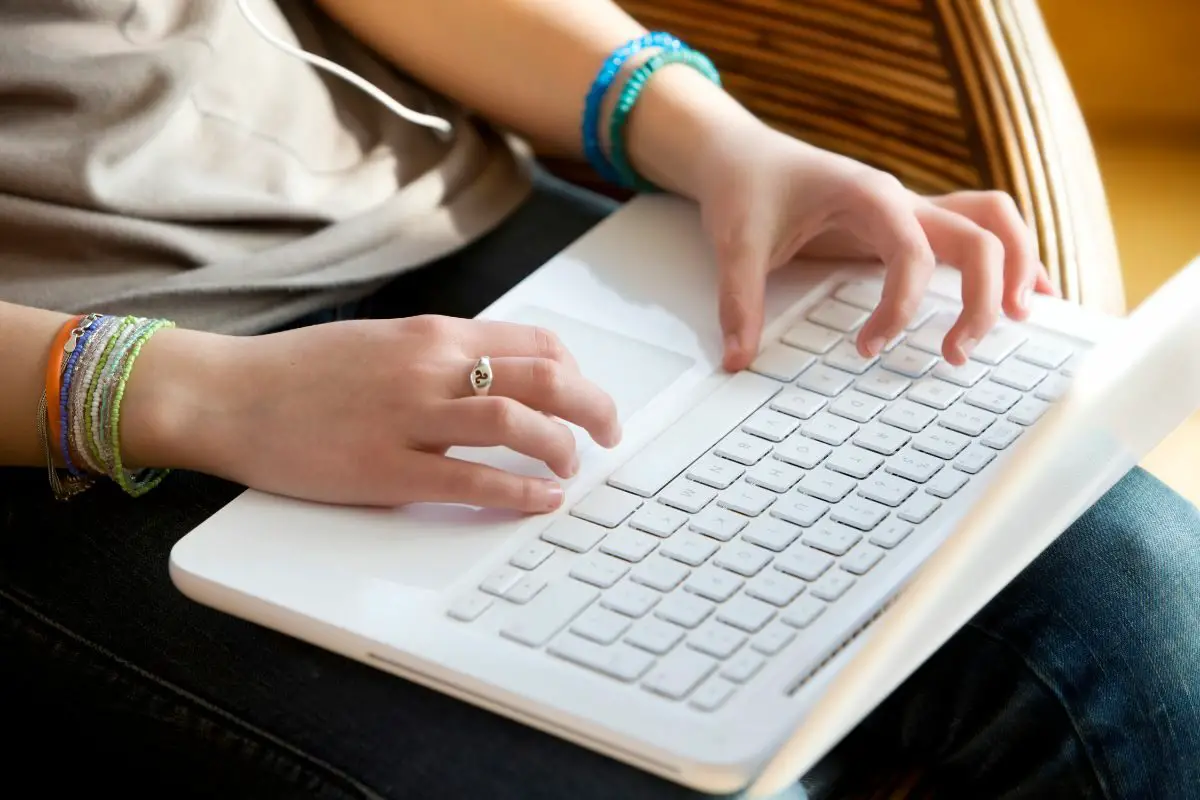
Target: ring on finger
(481, 376)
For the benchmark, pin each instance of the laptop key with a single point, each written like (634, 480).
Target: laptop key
(599, 570)
(718, 523)
(747, 499)
(713, 584)
(946, 483)
(965, 376)
(689, 548)
(773, 533)
(799, 509)
(601, 626)
(845, 357)
(684, 609)
(999, 344)
(689, 496)
(909, 361)
(914, 466)
(606, 506)
(908, 416)
(573, 534)
(833, 538)
(659, 573)
(973, 459)
(743, 666)
(658, 519)
(813, 338)
(654, 635)
(712, 695)
(941, 442)
(549, 612)
(880, 438)
(802, 451)
(827, 485)
(743, 559)
(891, 533)
(918, 508)
(1045, 353)
(798, 403)
(966, 419)
(837, 315)
(770, 425)
(856, 406)
(804, 562)
(862, 559)
(532, 555)
(1001, 435)
(719, 473)
(853, 461)
(628, 544)
(746, 613)
(882, 384)
(832, 585)
(824, 380)
(773, 639)
(1028, 411)
(679, 672)
(858, 512)
(774, 474)
(616, 661)
(630, 599)
(501, 581)
(993, 397)
(1053, 388)
(469, 607)
(775, 587)
(716, 639)
(887, 489)
(1018, 374)
(524, 590)
(742, 448)
(804, 611)
(781, 362)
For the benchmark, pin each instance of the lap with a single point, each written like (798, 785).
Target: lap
(105, 662)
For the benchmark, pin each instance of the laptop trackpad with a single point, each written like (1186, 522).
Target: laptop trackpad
(434, 544)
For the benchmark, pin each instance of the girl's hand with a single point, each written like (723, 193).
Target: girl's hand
(767, 198)
(363, 412)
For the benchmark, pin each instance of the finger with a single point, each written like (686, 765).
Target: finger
(476, 337)
(977, 254)
(996, 212)
(885, 220)
(501, 422)
(742, 285)
(1045, 285)
(557, 389)
(440, 479)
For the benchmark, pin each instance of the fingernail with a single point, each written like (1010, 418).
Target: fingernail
(614, 438)
(553, 495)
(966, 346)
(875, 346)
(573, 470)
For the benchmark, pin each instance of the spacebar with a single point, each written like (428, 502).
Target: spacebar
(699, 429)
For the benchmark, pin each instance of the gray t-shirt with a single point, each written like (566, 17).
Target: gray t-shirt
(160, 158)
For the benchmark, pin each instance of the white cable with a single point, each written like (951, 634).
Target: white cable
(426, 120)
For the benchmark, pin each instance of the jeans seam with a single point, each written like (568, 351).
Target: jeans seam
(246, 728)
(1049, 687)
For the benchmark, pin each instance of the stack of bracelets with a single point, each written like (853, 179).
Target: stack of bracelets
(614, 166)
(79, 418)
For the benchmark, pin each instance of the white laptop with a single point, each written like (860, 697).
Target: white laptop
(719, 600)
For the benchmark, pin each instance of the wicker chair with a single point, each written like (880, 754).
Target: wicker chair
(945, 94)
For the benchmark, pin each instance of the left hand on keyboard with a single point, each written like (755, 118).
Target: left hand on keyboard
(768, 198)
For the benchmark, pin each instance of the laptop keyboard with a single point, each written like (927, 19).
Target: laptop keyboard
(712, 550)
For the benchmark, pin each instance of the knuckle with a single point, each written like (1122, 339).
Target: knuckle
(473, 483)
(546, 376)
(546, 344)
(873, 187)
(986, 249)
(430, 325)
(501, 413)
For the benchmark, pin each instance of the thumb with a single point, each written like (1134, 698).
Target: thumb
(743, 283)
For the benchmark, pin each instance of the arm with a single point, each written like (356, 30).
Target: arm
(528, 64)
(161, 391)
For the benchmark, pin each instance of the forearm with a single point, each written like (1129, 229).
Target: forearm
(528, 64)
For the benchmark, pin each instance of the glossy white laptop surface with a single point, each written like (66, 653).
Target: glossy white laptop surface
(707, 620)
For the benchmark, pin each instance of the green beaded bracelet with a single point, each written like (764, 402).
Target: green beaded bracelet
(629, 96)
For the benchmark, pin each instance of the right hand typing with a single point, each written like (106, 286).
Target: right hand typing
(363, 412)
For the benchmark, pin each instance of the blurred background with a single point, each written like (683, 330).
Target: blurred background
(1135, 69)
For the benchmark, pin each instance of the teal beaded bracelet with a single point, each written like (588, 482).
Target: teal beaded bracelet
(618, 154)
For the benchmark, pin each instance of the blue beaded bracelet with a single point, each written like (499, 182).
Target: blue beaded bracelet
(627, 175)
(595, 97)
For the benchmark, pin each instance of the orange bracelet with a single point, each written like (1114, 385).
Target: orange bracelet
(54, 365)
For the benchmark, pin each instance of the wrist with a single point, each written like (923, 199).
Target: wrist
(681, 128)
(170, 415)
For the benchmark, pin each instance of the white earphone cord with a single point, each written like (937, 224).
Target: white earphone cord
(415, 117)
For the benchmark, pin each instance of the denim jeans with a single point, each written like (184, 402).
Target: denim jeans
(1081, 680)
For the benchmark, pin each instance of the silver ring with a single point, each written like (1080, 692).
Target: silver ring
(481, 376)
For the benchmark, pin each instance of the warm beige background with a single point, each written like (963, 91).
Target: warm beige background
(1135, 67)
